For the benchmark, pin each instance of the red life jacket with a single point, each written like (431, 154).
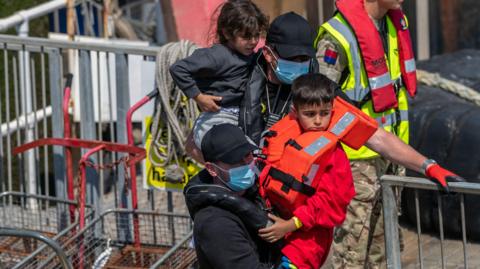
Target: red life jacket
(373, 54)
(295, 160)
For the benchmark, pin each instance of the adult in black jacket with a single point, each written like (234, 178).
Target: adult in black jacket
(226, 211)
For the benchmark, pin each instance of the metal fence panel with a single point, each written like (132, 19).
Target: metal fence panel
(436, 258)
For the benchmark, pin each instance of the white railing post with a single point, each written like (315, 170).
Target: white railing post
(26, 101)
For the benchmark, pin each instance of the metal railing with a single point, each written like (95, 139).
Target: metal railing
(26, 67)
(182, 255)
(390, 210)
(160, 233)
(21, 18)
(46, 59)
(60, 254)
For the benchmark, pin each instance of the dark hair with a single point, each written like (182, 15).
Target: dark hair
(312, 89)
(239, 17)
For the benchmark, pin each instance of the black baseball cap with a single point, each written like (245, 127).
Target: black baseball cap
(291, 36)
(226, 143)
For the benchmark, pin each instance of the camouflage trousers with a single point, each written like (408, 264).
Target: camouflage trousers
(359, 242)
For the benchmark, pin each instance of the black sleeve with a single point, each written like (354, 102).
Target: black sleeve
(226, 244)
(200, 64)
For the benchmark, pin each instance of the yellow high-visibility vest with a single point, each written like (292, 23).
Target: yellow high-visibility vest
(356, 86)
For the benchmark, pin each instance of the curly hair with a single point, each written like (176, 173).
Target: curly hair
(238, 17)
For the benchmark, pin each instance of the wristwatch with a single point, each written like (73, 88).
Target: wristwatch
(426, 164)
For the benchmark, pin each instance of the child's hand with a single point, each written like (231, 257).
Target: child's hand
(278, 230)
(208, 103)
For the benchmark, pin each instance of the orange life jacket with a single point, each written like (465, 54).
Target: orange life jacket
(373, 54)
(295, 160)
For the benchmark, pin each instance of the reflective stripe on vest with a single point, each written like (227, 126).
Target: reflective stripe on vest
(342, 124)
(410, 65)
(317, 145)
(311, 174)
(380, 81)
(358, 92)
(392, 119)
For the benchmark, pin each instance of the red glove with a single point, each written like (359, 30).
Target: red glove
(441, 176)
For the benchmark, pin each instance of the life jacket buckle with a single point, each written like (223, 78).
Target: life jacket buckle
(397, 85)
(294, 144)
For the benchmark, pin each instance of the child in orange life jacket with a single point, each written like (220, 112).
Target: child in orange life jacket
(309, 230)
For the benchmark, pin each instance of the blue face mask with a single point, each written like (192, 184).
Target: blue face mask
(241, 178)
(288, 71)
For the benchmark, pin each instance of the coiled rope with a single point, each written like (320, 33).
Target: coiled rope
(435, 80)
(174, 113)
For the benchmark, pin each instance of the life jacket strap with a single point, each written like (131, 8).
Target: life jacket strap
(269, 133)
(294, 144)
(290, 182)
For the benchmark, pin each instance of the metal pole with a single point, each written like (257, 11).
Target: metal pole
(440, 224)
(26, 95)
(419, 229)
(87, 126)
(123, 104)
(7, 116)
(56, 97)
(392, 243)
(29, 14)
(184, 241)
(464, 230)
(328, 9)
(9, 127)
(321, 17)
(423, 31)
(311, 7)
(71, 34)
(70, 18)
(107, 19)
(38, 236)
(35, 123)
(56, 22)
(161, 33)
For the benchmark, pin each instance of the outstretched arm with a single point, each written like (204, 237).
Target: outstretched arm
(395, 150)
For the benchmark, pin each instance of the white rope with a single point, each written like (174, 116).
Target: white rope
(174, 113)
(103, 257)
(435, 80)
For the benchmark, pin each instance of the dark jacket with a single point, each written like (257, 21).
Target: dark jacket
(226, 226)
(253, 118)
(223, 241)
(217, 71)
